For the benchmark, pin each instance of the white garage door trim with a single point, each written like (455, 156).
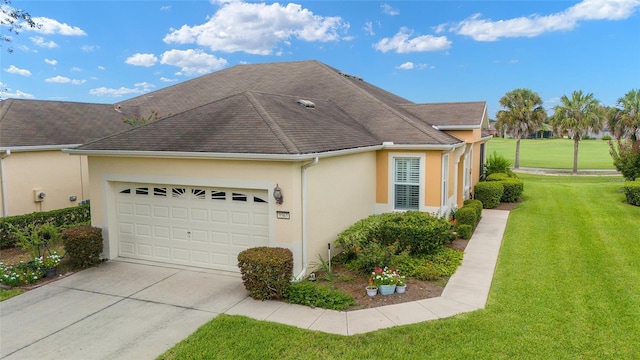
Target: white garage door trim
(190, 225)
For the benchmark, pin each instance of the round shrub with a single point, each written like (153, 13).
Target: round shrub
(464, 231)
(477, 205)
(422, 233)
(466, 215)
(489, 192)
(266, 271)
(497, 177)
(513, 189)
(632, 192)
(83, 244)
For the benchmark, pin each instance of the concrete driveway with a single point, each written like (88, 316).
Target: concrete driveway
(120, 310)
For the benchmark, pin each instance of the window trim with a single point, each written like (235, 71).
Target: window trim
(391, 169)
(444, 182)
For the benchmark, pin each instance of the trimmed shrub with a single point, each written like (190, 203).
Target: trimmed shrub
(477, 205)
(316, 295)
(443, 263)
(606, 137)
(489, 192)
(62, 219)
(420, 232)
(497, 177)
(466, 215)
(513, 189)
(360, 233)
(464, 231)
(83, 244)
(632, 192)
(266, 271)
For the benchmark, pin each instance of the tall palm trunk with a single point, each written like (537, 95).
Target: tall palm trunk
(576, 142)
(516, 163)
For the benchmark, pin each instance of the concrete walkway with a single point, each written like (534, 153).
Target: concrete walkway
(137, 310)
(466, 290)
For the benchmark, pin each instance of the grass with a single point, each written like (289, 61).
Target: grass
(567, 286)
(554, 153)
(8, 294)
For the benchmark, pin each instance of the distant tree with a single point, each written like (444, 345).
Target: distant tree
(14, 20)
(577, 117)
(522, 116)
(136, 121)
(624, 123)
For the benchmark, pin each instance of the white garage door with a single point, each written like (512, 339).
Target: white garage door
(190, 225)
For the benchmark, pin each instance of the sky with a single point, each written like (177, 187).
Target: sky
(425, 51)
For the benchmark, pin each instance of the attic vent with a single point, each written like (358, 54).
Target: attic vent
(306, 103)
(350, 76)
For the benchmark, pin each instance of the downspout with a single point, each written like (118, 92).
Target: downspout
(3, 187)
(304, 216)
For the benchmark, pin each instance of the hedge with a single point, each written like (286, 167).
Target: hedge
(513, 189)
(497, 177)
(467, 215)
(266, 271)
(477, 205)
(62, 219)
(489, 192)
(632, 192)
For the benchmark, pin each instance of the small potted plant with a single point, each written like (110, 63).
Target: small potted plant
(48, 263)
(385, 279)
(372, 289)
(401, 286)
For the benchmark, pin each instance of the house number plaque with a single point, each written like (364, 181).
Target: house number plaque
(283, 215)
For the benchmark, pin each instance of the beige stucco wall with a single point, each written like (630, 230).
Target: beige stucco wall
(58, 175)
(340, 191)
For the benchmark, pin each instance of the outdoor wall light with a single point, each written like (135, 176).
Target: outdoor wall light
(277, 194)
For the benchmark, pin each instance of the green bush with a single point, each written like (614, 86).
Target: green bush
(606, 137)
(62, 218)
(464, 231)
(83, 245)
(513, 189)
(466, 215)
(632, 192)
(442, 263)
(374, 254)
(477, 205)
(266, 271)
(497, 177)
(360, 233)
(489, 192)
(497, 164)
(316, 295)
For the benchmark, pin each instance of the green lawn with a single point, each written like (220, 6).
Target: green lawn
(554, 153)
(567, 286)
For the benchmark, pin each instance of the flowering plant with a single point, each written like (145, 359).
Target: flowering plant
(372, 284)
(47, 262)
(386, 276)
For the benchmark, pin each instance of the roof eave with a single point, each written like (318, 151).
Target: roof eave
(457, 127)
(37, 147)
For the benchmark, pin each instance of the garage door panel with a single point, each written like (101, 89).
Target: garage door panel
(195, 226)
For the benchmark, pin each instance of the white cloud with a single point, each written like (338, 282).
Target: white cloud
(100, 67)
(368, 28)
(165, 8)
(258, 28)
(51, 26)
(64, 80)
(89, 48)
(530, 26)
(164, 79)
(9, 94)
(402, 43)
(387, 9)
(139, 88)
(15, 70)
(405, 66)
(39, 41)
(146, 60)
(192, 62)
(51, 62)
(76, 69)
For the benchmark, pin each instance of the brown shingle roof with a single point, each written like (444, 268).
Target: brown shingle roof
(42, 123)
(456, 114)
(252, 109)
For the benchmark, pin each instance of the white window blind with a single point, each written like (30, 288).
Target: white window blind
(407, 184)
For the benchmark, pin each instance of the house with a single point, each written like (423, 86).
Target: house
(34, 173)
(277, 154)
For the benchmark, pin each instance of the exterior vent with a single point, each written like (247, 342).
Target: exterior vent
(350, 76)
(306, 103)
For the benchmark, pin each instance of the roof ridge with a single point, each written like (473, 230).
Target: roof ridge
(272, 124)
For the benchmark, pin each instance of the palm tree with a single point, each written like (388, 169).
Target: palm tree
(577, 117)
(522, 116)
(624, 120)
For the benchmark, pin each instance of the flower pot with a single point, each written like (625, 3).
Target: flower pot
(49, 272)
(387, 289)
(400, 289)
(372, 291)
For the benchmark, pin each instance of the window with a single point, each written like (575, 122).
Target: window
(407, 183)
(445, 179)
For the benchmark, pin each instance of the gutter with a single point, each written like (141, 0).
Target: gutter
(304, 216)
(37, 148)
(3, 186)
(456, 127)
